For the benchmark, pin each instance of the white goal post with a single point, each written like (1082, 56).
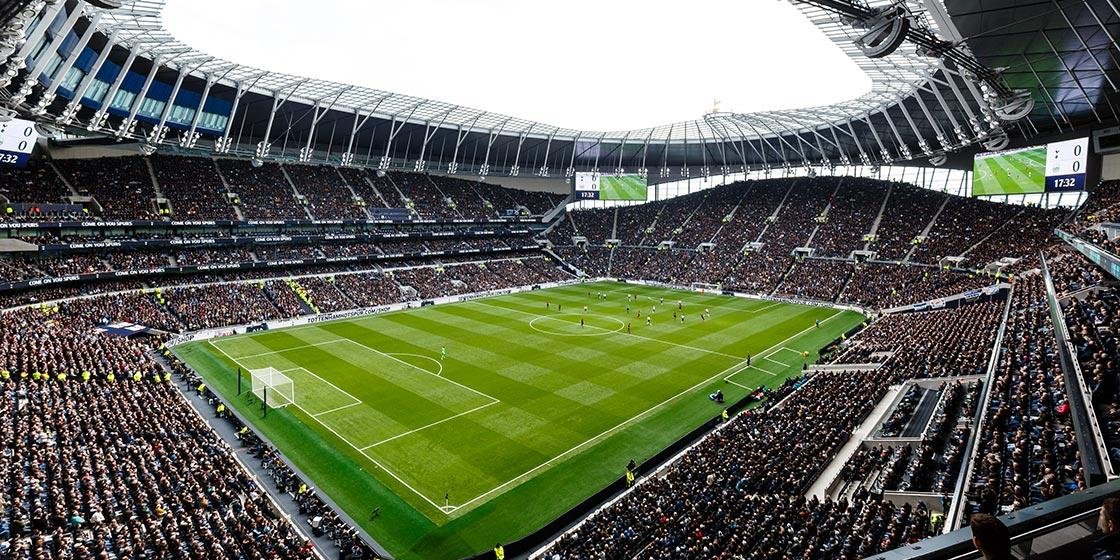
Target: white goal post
(701, 286)
(281, 391)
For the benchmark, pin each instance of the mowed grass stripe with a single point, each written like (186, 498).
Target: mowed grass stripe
(560, 406)
(1028, 174)
(583, 403)
(637, 331)
(614, 366)
(729, 331)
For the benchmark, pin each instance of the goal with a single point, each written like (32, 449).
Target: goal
(700, 286)
(274, 388)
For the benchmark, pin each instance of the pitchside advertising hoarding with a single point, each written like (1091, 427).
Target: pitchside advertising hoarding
(1054, 167)
(17, 140)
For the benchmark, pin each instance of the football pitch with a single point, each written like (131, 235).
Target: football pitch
(1020, 172)
(528, 413)
(624, 187)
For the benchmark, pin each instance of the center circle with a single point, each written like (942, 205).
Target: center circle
(554, 325)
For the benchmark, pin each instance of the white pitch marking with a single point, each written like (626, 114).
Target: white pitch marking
(777, 362)
(356, 448)
(344, 407)
(426, 426)
(395, 359)
(449, 509)
(761, 309)
(728, 380)
(603, 331)
(280, 351)
(727, 374)
(705, 350)
(438, 363)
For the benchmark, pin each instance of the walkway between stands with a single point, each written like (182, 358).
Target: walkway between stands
(820, 486)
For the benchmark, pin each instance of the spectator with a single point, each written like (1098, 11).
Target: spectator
(990, 537)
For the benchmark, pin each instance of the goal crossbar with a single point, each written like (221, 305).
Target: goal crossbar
(706, 287)
(273, 387)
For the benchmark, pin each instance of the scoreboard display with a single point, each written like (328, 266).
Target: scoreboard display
(1065, 165)
(587, 186)
(17, 140)
(1054, 167)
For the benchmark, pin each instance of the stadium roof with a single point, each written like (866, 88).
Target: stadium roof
(590, 65)
(141, 27)
(930, 95)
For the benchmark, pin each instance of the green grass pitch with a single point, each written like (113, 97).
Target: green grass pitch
(1022, 172)
(624, 187)
(527, 415)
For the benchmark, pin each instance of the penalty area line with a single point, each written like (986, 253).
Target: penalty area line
(376, 463)
(725, 374)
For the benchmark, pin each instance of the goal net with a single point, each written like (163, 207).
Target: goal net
(272, 387)
(706, 287)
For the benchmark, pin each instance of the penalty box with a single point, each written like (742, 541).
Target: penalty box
(363, 396)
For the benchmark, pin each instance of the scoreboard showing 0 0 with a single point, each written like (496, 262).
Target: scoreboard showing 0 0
(1065, 165)
(17, 140)
(1054, 167)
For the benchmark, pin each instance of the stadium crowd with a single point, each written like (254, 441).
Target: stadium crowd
(737, 494)
(1094, 328)
(1028, 451)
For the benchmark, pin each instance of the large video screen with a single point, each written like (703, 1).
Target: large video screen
(1055, 167)
(596, 186)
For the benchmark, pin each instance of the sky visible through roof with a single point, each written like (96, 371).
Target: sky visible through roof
(594, 65)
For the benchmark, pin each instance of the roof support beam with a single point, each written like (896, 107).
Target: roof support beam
(737, 148)
(51, 93)
(51, 51)
(264, 147)
(128, 126)
(490, 144)
(359, 122)
(938, 132)
(903, 149)
(460, 135)
(34, 32)
(320, 112)
(223, 144)
(516, 169)
(922, 143)
(75, 103)
(884, 154)
(597, 144)
(645, 153)
(191, 137)
(619, 170)
(394, 130)
(760, 150)
(543, 171)
(157, 134)
(973, 121)
(863, 157)
(102, 114)
(571, 170)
